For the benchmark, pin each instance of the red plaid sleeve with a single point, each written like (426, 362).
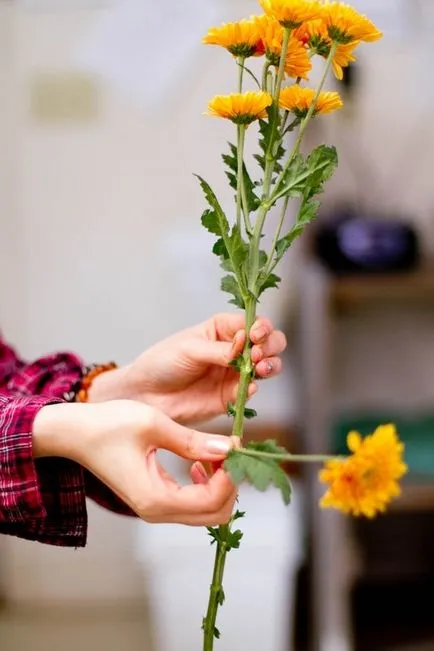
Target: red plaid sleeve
(41, 499)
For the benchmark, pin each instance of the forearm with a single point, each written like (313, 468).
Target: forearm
(40, 499)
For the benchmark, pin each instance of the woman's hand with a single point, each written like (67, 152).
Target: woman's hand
(188, 376)
(118, 442)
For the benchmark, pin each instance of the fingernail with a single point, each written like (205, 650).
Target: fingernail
(260, 332)
(268, 368)
(202, 471)
(218, 445)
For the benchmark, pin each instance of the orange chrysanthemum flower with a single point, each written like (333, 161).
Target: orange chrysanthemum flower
(241, 108)
(346, 25)
(292, 13)
(240, 39)
(299, 101)
(314, 35)
(298, 63)
(364, 483)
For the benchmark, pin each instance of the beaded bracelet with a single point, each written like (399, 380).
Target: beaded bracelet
(80, 389)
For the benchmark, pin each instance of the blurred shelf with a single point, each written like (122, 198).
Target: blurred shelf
(356, 290)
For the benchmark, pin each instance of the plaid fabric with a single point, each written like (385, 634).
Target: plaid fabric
(43, 499)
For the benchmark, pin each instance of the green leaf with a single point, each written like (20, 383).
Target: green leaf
(210, 222)
(234, 539)
(267, 132)
(321, 164)
(231, 160)
(220, 249)
(215, 534)
(268, 446)
(237, 362)
(216, 633)
(239, 248)
(221, 597)
(260, 472)
(238, 515)
(230, 285)
(263, 259)
(267, 282)
(250, 413)
(306, 178)
(230, 409)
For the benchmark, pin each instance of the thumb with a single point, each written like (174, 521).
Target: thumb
(189, 443)
(211, 352)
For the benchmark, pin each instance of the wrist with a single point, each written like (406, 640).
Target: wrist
(61, 430)
(110, 385)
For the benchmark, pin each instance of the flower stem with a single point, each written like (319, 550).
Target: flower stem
(240, 73)
(276, 236)
(209, 623)
(307, 119)
(301, 458)
(215, 591)
(241, 188)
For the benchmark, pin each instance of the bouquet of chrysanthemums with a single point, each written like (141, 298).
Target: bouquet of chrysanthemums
(269, 106)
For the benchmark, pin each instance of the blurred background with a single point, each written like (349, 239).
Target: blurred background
(103, 253)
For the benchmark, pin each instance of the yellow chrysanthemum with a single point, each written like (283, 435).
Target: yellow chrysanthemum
(240, 38)
(314, 35)
(364, 483)
(292, 13)
(299, 100)
(298, 63)
(241, 108)
(346, 25)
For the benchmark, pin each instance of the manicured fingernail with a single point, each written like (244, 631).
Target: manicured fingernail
(218, 445)
(202, 471)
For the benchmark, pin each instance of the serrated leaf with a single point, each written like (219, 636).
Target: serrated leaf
(321, 164)
(234, 539)
(221, 597)
(306, 178)
(216, 633)
(269, 446)
(210, 221)
(214, 533)
(231, 160)
(238, 515)
(266, 134)
(235, 466)
(268, 282)
(250, 413)
(239, 248)
(230, 285)
(220, 249)
(260, 472)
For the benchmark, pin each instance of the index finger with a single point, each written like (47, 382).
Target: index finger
(199, 499)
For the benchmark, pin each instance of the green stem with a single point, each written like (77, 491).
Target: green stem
(276, 236)
(302, 458)
(241, 129)
(215, 592)
(282, 62)
(265, 70)
(245, 371)
(209, 622)
(240, 73)
(307, 119)
(241, 186)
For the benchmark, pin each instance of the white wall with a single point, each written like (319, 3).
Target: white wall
(91, 216)
(105, 221)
